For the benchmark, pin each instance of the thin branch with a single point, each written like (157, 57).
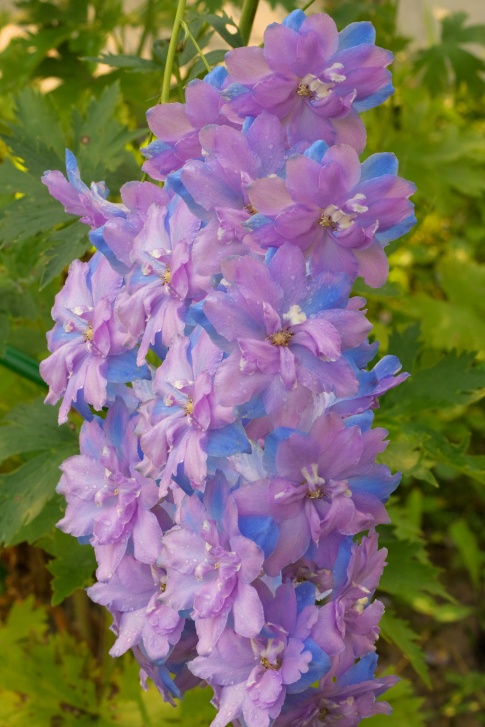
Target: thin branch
(172, 49)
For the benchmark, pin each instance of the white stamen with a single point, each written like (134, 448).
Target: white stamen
(342, 219)
(311, 475)
(355, 203)
(295, 315)
(333, 75)
(318, 89)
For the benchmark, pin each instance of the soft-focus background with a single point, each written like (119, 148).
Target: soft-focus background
(81, 74)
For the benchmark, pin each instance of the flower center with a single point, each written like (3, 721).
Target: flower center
(268, 665)
(326, 221)
(88, 333)
(281, 338)
(166, 277)
(313, 482)
(303, 89)
(189, 407)
(250, 209)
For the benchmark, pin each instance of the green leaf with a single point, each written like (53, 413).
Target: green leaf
(225, 27)
(99, 140)
(468, 546)
(449, 61)
(24, 492)
(43, 524)
(399, 632)
(405, 345)
(407, 577)
(72, 567)
(452, 381)
(132, 63)
(25, 218)
(65, 246)
(442, 613)
(33, 427)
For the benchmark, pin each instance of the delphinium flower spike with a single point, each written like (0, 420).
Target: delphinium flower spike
(231, 492)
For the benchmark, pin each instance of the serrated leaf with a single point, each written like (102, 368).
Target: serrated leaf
(99, 139)
(25, 491)
(405, 345)
(43, 524)
(73, 565)
(398, 631)
(455, 379)
(407, 577)
(62, 248)
(24, 621)
(25, 218)
(225, 27)
(33, 427)
(453, 30)
(449, 61)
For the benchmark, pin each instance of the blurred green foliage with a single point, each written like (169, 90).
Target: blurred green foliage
(81, 74)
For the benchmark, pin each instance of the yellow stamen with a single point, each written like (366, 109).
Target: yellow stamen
(250, 209)
(268, 665)
(281, 338)
(304, 90)
(189, 407)
(326, 221)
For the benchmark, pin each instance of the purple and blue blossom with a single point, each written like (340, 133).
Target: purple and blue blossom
(313, 78)
(227, 487)
(87, 342)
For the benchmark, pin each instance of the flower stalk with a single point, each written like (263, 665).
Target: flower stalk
(247, 18)
(172, 50)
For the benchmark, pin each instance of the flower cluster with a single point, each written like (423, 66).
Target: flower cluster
(231, 492)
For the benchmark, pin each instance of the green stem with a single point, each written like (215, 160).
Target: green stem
(172, 49)
(196, 46)
(22, 364)
(307, 5)
(247, 18)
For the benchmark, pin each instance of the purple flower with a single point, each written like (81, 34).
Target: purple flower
(186, 422)
(346, 695)
(341, 212)
(216, 187)
(254, 675)
(318, 483)
(115, 239)
(86, 342)
(162, 282)
(177, 126)
(78, 199)
(133, 596)
(210, 567)
(349, 619)
(107, 498)
(312, 77)
(284, 343)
